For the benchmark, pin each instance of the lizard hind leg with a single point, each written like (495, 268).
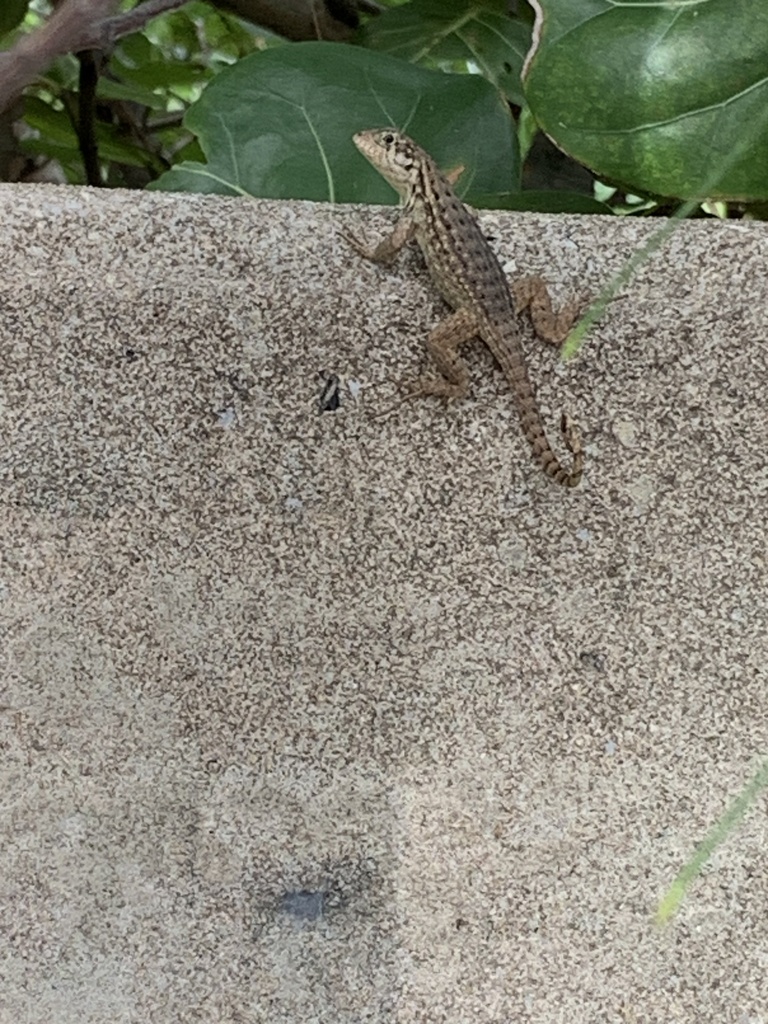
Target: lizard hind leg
(443, 344)
(531, 293)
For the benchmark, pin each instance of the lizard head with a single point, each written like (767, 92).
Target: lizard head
(394, 155)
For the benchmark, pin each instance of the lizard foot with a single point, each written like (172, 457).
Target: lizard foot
(360, 247)
(435, 387)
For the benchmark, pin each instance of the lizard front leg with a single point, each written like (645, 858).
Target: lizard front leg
(388, 247)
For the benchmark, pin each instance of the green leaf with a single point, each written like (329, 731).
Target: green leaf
(279, 124)
(200, 32)
(54, 125)
(62, 75)
(59, 138)
(477, 33)
(109, 89)
(666, 98)
(139, 62)
(12, 14)
(177, 32)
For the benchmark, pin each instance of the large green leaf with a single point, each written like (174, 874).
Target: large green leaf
(478, 33)
(670, 98)
(279, 124)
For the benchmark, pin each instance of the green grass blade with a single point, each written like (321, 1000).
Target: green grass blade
(674, 895)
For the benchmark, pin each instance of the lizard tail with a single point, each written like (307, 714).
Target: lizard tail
(541, 449)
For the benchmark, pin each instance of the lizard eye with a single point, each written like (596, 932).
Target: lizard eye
(388, 139)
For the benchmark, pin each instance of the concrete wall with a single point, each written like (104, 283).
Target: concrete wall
(352, 715)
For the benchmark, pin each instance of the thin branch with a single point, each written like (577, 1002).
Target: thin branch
(92, 25)
(74, 25)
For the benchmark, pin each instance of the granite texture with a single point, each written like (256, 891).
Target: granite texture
(351, 715)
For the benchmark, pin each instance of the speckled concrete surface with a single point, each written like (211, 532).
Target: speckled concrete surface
(351, 715)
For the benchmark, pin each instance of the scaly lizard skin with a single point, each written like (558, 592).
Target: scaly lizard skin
(470, 278)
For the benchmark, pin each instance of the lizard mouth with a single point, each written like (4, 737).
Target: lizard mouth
(365, 142)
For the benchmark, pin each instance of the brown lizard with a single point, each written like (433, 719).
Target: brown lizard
(470, 278)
